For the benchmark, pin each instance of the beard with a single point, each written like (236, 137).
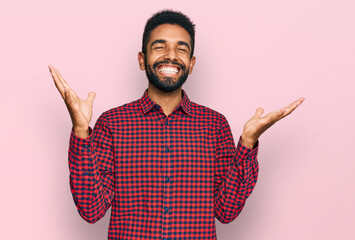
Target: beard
(167, 84)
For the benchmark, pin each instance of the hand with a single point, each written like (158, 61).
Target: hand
(80, 111)
(257, 124)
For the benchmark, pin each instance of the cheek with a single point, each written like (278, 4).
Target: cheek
(150, 58)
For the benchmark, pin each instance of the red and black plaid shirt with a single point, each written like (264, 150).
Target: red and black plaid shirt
(165, 177)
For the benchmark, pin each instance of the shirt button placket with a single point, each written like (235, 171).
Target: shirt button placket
(166, 198)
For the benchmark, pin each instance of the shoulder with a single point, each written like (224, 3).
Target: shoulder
(120, 113)
(205, 113)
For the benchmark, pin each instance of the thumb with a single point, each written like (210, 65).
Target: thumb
(91, 96)
(259, 112)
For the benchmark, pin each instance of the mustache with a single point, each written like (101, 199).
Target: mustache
(155, 65)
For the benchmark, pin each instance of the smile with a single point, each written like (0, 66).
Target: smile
(168, 69)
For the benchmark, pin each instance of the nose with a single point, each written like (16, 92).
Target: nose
(170, 55)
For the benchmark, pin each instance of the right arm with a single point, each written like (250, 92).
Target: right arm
(91, 163)
(91, 167)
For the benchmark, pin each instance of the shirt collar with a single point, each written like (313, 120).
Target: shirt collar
(147, 104)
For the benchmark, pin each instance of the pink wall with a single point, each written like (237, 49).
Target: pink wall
(249, 54)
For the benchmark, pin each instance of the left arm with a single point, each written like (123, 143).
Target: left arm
(236, 172)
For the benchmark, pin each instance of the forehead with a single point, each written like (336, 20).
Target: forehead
(170, 33)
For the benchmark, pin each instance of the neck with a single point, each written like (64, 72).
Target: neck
(167, 101)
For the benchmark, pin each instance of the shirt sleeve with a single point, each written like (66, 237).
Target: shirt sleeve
(236, 172)
(91, 166)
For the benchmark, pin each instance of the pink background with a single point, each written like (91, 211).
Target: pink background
(249, 54)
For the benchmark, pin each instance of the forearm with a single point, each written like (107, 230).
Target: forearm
(92, 198)
(237, 185)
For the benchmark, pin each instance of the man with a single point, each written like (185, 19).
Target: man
(166, 165)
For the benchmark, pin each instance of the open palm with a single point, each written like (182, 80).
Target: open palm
(257, 125)
(80, 110)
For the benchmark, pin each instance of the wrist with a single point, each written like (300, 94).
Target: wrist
(81, 132)
(248, 142)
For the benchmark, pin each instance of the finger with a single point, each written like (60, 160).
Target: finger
(91, 97)
(259, 112)
(57, 81)
(273, 117)
(282, 111)
(291, 107)
(65, 84)
(295, 103)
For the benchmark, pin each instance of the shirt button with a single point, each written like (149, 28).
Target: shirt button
(167, 150)
(166, 209)
(165, 239)
(86, 146)
(167, 179)
(166, 123)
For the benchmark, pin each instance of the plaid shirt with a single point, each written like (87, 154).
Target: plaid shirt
(165, 177)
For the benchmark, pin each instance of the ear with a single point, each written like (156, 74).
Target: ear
(141, 61)
(192, 63)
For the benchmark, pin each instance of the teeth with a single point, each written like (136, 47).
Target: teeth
(168, 70)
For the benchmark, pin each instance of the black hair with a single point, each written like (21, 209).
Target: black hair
(171, 17)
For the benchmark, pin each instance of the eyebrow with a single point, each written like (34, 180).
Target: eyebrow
(157, 41)
(164, 41)
(184, 43)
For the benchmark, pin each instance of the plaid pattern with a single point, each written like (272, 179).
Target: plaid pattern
(165, 177)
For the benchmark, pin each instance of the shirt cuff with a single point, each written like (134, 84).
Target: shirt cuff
(247, 155)
(80, 145)
(81, 159)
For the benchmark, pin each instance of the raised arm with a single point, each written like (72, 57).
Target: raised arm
(236, 169)
(91, 162)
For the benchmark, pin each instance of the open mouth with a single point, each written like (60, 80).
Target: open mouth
(168, 70)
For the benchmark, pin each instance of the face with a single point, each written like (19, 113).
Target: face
(167, 62)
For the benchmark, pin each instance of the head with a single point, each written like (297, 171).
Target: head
(167, 50)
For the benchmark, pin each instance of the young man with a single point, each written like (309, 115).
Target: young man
(166, 165)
